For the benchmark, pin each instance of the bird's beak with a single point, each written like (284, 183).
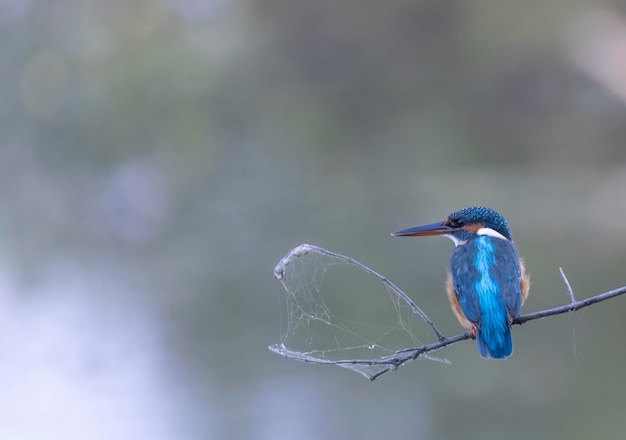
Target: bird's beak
(438, 228)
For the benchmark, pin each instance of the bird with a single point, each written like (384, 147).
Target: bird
(487, 283)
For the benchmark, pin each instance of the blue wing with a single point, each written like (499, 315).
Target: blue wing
(507, 273)
(464, 277)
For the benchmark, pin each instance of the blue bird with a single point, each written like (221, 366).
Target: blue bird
(487, 282)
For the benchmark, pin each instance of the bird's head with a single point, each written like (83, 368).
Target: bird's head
(464, 225)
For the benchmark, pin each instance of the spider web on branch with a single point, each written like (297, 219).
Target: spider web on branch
(338, 311)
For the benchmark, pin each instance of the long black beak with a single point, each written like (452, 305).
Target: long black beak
(438, 228)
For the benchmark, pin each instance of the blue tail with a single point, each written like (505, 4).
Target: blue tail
(494, 346)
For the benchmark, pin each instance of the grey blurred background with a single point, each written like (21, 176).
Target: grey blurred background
(157, 158)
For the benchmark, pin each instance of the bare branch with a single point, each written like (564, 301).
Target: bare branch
(569, 288)
(402, 356)
(413, 353)
(572, 307)
(303, 249)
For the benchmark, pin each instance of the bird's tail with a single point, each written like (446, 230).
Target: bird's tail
(496, 346)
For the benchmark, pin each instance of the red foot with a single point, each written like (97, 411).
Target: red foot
(473, 330)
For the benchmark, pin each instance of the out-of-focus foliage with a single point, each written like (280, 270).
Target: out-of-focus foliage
(157, 158)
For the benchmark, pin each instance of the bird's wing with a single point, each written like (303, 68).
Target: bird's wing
(464, 276)
(507, 273)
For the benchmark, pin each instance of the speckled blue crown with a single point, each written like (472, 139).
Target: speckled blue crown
(487, 216)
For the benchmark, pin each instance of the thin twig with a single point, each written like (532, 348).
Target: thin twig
(402, 356)
(303, 249)
(413, 353)
(569, 287)
(572, 307)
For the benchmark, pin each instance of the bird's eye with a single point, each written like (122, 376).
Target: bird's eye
(459, 223)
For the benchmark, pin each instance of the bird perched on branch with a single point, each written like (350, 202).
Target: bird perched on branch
(487, 283)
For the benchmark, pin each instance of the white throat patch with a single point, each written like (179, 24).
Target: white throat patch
(455, 240)
(482, 231)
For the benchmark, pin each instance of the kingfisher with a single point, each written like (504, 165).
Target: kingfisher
(487, 283)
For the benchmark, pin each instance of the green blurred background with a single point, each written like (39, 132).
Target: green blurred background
(157, 159)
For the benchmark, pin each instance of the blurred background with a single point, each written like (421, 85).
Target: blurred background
(157, 159)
